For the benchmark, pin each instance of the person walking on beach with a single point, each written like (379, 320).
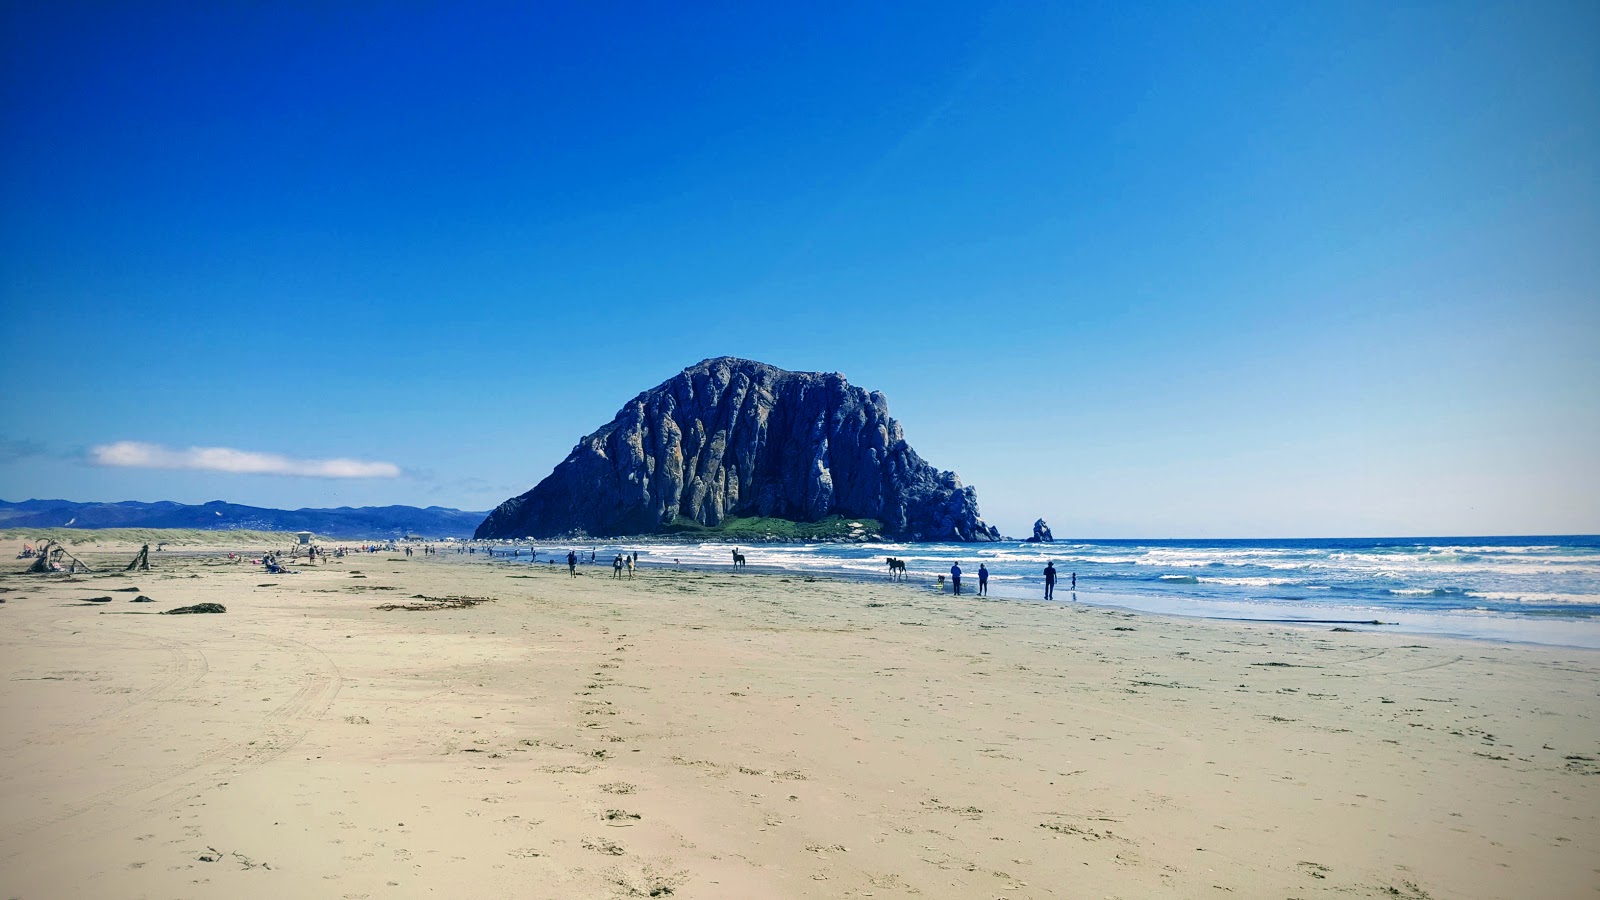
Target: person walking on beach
(616, 566)
(955, 578)
(1074, 582)
(1050, 580)
(631, 565)
(572, 563)
(983, 580)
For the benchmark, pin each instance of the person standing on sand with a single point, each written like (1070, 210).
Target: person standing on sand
(616, 566)
(955, 578)
(983, 580)
(631, 565)
(1074, 581)
(572, 563)
(1050, 580)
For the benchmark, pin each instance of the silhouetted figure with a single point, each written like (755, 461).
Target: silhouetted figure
(738, 559)
(1050, 580)
(572, 563)
(1074, 581)
(955, 578)
(983, 580)
(616, 567)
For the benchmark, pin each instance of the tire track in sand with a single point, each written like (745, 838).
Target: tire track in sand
(278, 731)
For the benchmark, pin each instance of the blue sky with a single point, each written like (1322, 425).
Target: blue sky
(1183, 270)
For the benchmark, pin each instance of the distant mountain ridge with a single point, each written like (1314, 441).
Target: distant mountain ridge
(339, 522)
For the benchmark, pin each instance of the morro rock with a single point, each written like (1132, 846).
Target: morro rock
(732, 438)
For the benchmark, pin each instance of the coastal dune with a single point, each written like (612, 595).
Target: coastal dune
(717, 734)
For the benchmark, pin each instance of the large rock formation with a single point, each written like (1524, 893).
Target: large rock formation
(1041, 534)
(735, 438)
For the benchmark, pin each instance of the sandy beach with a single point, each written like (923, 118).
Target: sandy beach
(720, 734)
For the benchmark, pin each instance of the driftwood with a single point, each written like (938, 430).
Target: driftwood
(142, 561)
(41, 563)
(50, 553)
(435, 603)
(197, 608)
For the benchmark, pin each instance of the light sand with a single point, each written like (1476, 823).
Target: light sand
(706, 734)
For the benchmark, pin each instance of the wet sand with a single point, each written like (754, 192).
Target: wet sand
(712, 734)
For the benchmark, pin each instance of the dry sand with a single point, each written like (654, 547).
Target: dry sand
(710, 734)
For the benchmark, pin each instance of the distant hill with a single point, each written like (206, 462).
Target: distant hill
(340, 522)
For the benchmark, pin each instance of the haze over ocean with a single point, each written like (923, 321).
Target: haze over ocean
(1231, 270)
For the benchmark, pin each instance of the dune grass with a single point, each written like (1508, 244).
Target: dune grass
(172, 537)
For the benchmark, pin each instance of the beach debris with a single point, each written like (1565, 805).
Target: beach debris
(126, 590)
(621, 818)
(246, 862)
(140, 561)
(214, 856)
(49, 560)
(98, 599)
(601, 845)
(141, 599)
(451, 602)
(197, 608)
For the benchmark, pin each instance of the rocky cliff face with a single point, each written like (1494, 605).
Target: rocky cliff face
(734, 438)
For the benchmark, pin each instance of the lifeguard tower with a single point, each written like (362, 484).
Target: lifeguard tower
(304, 536)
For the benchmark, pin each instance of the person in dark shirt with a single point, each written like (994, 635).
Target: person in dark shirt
(983, 580)
(955, 577)
(572, 563)
(1050, 580)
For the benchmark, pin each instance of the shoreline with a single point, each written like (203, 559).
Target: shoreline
(1580, 633)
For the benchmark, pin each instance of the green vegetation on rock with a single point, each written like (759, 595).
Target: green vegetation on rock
(762, 528)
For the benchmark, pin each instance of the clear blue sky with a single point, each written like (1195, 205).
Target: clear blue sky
(1180, 270)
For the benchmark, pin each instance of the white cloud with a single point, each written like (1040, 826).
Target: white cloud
(133, 454)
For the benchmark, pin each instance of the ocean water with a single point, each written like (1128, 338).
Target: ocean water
(1534, 589)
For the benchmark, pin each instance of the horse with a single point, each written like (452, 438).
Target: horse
(738, 559)
(897, 567)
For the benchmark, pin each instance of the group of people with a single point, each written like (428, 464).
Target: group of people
(983, 579)
(628, 560)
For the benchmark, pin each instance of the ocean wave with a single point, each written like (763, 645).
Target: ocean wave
(1536, 597)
